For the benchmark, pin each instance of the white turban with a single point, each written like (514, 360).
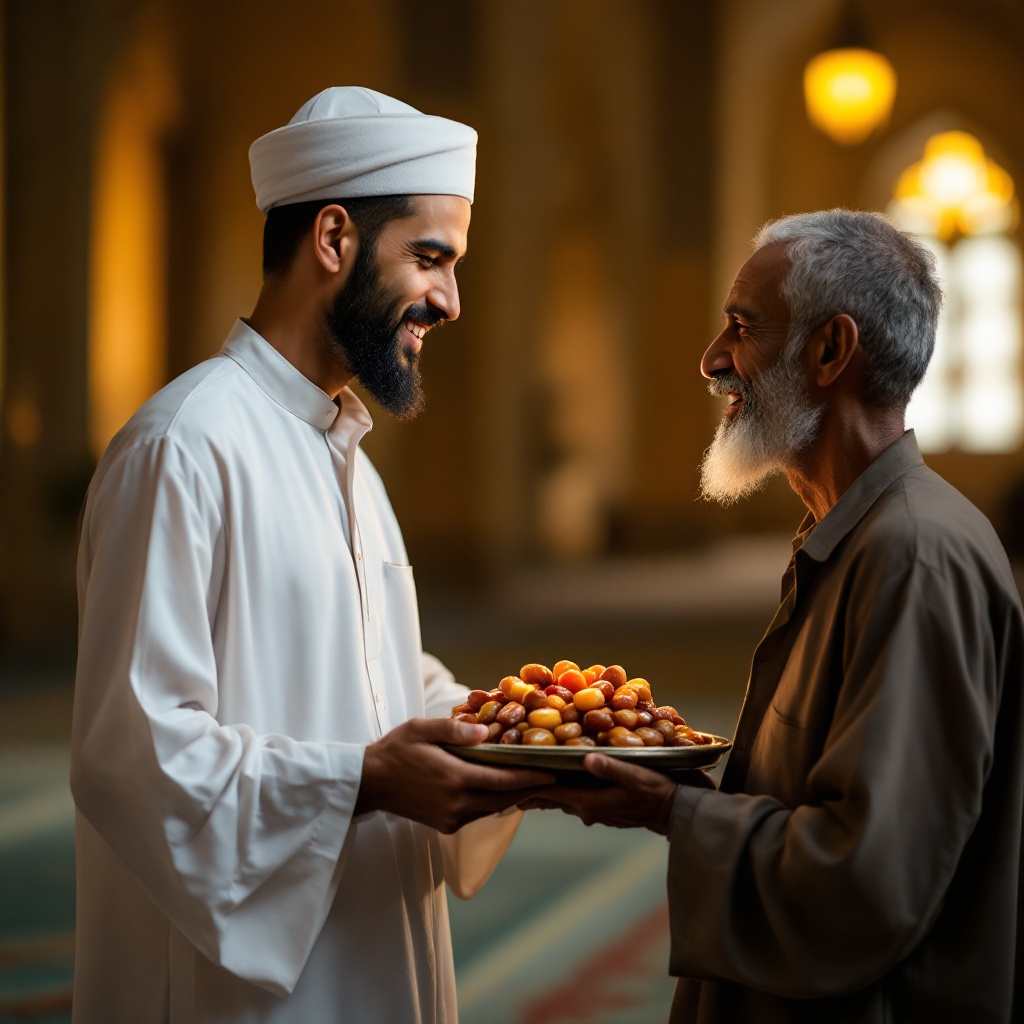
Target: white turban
(349, 141)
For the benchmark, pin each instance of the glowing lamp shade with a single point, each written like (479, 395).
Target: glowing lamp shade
(956, 190)
(849, 93)
(953, 169)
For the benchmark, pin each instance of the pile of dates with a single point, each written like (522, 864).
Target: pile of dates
(573, 707)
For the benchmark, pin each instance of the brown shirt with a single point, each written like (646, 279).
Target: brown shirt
(862, 860)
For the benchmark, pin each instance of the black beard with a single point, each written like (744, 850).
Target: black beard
(365, 323)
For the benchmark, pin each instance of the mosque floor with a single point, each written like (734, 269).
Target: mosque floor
(572, 928)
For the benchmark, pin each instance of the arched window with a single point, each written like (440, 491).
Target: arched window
(962, 205)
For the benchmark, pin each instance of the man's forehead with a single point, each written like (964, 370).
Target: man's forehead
(761, 277)
(769, 263)
(444, 219)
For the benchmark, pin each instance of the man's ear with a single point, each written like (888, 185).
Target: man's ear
(831, 348)
(335, 240)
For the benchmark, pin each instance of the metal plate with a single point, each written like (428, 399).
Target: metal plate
(570, 759)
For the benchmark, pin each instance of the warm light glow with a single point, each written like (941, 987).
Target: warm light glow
(24, 421)
(994, 208)
(849, 93)
(972, 398)
(127, 296)
(956, 190)
(126, 321)
(953, 169)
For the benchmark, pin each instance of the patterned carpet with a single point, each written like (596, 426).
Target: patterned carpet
(597, 952)
(37, 885)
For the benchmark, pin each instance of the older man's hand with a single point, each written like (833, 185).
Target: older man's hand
(638, 798)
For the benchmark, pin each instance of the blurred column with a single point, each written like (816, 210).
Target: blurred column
(128, 244)
(598, 271)
(517, 154)
(53, 58)
(675, 416)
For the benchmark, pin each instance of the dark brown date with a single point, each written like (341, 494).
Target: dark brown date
(511, 714)
(625, 717)
(599, 720)
(623, 697)
(651, 737)
(476, 699)
(615, 674)
(554, 690)
(535, 699)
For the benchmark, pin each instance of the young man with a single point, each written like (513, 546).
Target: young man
(260, 794)
(862, 859)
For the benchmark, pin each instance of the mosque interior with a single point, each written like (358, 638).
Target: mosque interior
(548, 494)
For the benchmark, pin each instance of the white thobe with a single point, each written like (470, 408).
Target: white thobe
(248, 624)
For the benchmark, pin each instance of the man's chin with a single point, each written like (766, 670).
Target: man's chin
(410, 411)
(731, 489)
(728, 472)
(404, 403)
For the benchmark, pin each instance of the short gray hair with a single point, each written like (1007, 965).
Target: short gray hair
(858, 263)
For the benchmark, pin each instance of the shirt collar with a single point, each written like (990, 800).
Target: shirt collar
(353, 420)
(279, 379)
(855, 502)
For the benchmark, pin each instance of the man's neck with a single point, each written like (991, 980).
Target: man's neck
(298, 331)
(845, 447)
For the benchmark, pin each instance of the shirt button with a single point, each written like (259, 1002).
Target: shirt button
(376, 697)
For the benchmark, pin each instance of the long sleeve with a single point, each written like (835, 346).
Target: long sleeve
(226, 830)
(826, 896)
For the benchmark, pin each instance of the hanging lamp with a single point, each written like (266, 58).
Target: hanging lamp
(849, 88)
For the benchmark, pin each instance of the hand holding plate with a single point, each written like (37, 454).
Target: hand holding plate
(638, 798)
(406, 772)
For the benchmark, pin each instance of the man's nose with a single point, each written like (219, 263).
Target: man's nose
(716, 358)
(444, 297)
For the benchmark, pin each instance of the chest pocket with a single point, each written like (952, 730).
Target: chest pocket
(781, 758)
(797, 719)
(804, 697)
(400, 604)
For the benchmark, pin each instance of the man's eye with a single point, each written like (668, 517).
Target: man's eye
(427, 261)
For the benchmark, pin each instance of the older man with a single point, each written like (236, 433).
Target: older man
(862, 859)
(259, 794)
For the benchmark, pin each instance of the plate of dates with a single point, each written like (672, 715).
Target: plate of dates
(551, 718)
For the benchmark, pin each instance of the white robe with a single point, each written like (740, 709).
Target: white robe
(248, 624)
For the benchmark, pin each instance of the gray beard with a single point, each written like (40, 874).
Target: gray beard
(777, 422)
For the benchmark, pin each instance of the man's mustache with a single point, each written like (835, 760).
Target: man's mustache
(424, 315)
(725, 381)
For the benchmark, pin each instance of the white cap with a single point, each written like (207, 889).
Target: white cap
(348, 141)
